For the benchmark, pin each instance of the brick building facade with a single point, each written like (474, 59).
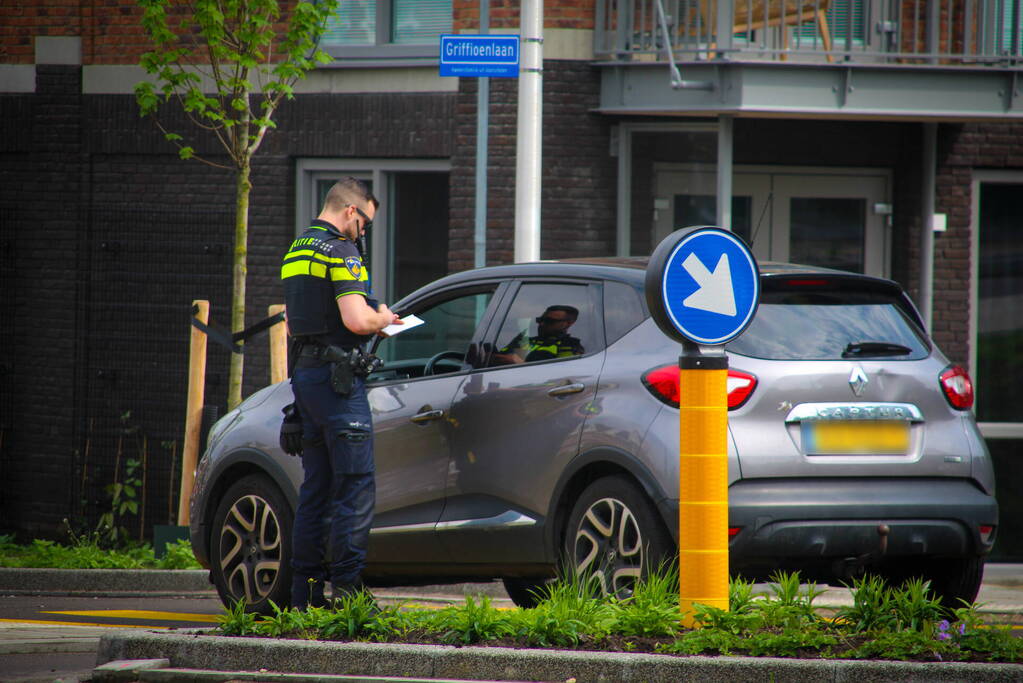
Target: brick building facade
(107, 236)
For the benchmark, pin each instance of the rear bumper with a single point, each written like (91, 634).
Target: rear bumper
(802, 522)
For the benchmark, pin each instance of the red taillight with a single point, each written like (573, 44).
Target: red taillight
(958, 388)
(733, 531)
(740, 388)
(662, 382)
(987, 533)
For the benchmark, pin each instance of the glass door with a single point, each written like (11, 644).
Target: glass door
(835, 221)
(821, 217)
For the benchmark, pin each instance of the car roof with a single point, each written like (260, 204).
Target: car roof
(633, 269)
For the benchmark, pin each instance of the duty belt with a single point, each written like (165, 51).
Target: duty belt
(326, 353)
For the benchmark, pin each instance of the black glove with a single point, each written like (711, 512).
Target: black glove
(291, 430)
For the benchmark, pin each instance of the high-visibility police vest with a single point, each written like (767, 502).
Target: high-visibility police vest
(320, 267)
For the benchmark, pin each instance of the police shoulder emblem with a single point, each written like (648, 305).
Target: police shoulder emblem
(354, 265)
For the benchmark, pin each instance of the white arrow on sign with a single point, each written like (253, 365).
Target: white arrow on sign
(715, 294)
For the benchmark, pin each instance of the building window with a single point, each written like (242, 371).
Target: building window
(408, 245)
(387, 28)
(999, 307)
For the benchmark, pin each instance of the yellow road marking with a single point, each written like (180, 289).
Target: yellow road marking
(141, 614)
(76, 623)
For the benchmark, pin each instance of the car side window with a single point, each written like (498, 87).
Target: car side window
(546, 322)
(623, 310)
(444, 338)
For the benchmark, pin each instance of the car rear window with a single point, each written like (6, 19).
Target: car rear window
(832, 323)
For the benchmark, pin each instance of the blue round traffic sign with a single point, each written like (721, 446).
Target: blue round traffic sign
(703, 285)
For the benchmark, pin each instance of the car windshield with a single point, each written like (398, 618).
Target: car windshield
(831, 325)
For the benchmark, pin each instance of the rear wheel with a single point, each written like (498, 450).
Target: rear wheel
(956, 581)
(250, 545)
(615, 536)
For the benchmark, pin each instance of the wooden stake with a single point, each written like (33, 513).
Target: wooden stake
(193, 410)
(278, 348)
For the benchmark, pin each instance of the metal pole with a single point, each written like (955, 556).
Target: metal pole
(482, 129)
(930, 141)
(724, 177)
(529, 144)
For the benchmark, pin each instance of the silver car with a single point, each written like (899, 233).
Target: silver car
(505, 447)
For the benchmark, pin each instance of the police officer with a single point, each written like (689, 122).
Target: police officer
(552, 339)
(330, 317)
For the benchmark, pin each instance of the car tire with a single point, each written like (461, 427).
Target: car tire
(525, 593)
(250, 545)
(956, 581)
(615, 536)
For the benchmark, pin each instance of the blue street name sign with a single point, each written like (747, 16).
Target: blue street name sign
(493, 56)
(703, 285)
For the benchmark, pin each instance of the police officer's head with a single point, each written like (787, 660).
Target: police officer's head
(350, 206)
(556, 319)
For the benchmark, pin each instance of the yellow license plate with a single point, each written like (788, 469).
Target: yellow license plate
(861, 437)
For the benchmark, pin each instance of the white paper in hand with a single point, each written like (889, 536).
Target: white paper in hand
(409, 321)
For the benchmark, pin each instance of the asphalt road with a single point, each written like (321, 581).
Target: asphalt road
(72, 658)
(140, 612)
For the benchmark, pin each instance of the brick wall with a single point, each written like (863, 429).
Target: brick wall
(505, 14)
(961, 149)
(107, 237)
(111, 30)
(578, 196)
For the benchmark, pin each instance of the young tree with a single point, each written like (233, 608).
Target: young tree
(229, 64)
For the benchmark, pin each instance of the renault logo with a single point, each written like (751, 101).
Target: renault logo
(858, 380)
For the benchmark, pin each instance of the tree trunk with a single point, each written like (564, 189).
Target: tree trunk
(241, 237)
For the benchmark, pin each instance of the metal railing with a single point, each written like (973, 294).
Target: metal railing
(947, 32)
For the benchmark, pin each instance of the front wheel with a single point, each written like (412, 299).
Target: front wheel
(615, 536)
(250, 545)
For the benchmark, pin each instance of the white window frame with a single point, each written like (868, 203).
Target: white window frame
(383, 51)
(379, 171)
(621, 146)
(989, 430)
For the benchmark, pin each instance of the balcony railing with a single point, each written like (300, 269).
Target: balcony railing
(984, 33)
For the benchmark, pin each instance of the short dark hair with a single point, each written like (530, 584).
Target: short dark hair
(571, 310)
(349, 191)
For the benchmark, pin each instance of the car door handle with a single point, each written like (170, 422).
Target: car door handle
(427, 416)
(566, 389)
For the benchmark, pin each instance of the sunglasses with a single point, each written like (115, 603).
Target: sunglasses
(551, 321)
(367, 221)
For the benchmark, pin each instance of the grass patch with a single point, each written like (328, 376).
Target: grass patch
(900, 623)
(90, 553)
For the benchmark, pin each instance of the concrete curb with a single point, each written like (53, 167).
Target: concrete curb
(198, 651)
(105, 582)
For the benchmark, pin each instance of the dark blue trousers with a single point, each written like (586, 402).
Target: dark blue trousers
(338, 487)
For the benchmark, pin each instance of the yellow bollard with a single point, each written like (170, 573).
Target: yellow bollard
(703, 484)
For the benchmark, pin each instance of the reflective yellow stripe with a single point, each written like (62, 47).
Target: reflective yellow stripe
(303, 267)
(343, 274)
(313, 254)
(349, 294)
(295, 268)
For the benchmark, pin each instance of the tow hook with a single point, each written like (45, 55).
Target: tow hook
(855, 566)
